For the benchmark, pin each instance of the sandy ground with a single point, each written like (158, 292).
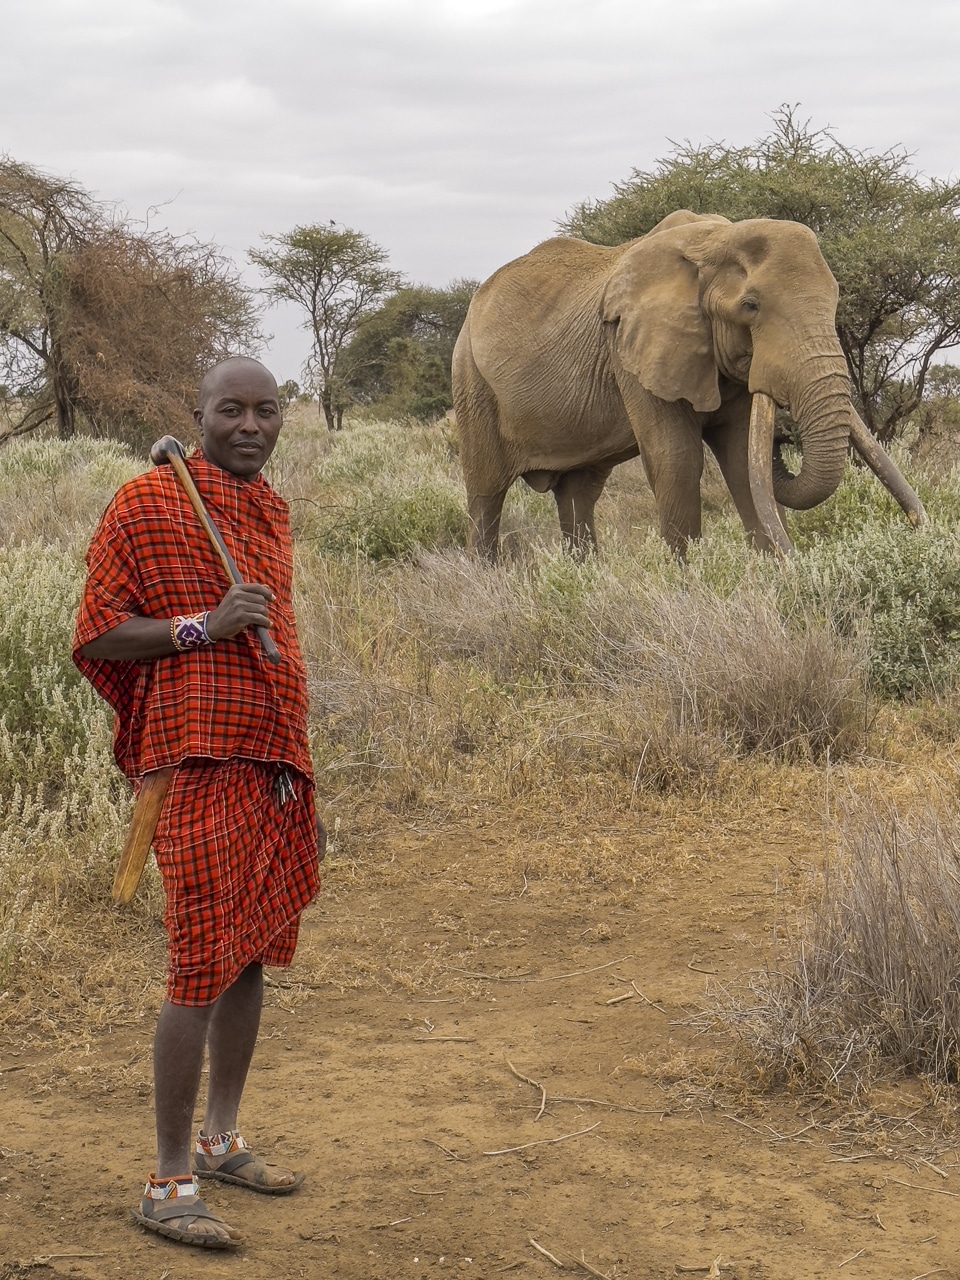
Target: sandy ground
(386, 1078)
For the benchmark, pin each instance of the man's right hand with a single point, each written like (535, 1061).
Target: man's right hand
(244, 605)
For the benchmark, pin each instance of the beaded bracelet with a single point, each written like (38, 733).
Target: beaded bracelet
(189, 633)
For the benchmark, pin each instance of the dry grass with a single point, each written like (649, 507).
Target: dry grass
(563, 696)
(865, 979)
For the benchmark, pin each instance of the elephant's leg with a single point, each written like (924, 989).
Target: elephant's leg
(674, 466)
(728, 440)
(669, 437)
(576, 494)
(483, 533)
(487, 472)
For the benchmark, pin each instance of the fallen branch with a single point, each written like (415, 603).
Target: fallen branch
(646, 999)
(452, 1155)
(751, 1127)
(591, 1271)
(614, 1106)
(714, 1269)
(536, 1084)
(553, 977)
(937, 1191)
(546, 1253)
(853, 1256)
(542, 1142)
(444, 1040)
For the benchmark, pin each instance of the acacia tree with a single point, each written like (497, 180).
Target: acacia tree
(42, 221)
(400, 358)
(104, 321)
(890, 236)
(338, 276)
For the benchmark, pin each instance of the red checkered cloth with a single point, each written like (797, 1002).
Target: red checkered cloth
(150, 556)
(238, 867)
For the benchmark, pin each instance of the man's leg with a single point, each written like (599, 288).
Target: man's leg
(231, 1040)
(177, 1061)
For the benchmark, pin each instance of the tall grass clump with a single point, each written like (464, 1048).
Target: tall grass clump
(52, 490)
(868, 978)
(448, 676)
(64, 803)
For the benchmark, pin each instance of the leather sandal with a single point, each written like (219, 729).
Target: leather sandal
(160, 1215)
(244, 1169)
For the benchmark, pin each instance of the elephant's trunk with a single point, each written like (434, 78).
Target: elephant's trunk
(822, 411)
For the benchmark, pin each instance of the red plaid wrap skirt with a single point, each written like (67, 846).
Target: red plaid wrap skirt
(238, 868)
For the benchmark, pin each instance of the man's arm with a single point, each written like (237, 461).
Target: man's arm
(244, 605)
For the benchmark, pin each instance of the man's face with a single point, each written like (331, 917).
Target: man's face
(239, 417)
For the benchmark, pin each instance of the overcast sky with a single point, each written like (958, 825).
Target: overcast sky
(454, 132)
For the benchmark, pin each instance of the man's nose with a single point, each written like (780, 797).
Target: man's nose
(248, 421)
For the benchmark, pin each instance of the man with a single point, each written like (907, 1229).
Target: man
(238, 843)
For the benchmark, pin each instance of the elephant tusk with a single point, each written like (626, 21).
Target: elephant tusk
(773, 536)
(885, 469)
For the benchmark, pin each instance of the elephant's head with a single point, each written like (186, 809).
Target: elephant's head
(700, 299)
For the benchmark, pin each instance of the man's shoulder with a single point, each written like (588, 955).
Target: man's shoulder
(149, 487)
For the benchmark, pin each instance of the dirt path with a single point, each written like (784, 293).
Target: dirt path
(388, 1082)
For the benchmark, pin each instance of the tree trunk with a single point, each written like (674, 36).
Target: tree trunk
(326, 406)
(63, 394)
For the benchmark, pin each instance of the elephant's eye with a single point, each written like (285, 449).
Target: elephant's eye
(750, 304)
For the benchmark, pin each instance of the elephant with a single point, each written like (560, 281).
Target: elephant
(577, 357)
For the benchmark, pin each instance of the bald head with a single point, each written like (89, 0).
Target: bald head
(238, 364)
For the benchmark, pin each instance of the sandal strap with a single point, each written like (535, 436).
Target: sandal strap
(238, 1161)
(162, 1210)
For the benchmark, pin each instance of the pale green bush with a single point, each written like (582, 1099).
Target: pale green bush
(64, 802)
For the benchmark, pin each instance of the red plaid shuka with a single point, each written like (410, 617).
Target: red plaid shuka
(238, 866)
(150, 556)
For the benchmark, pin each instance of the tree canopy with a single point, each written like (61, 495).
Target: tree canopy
(890, 236)
(105, 320)
(400, 358)
(338, 276)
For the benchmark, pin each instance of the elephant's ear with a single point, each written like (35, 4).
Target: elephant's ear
(662, 335)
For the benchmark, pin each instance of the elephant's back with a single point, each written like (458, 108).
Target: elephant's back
(545, 301)
(555, 273)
